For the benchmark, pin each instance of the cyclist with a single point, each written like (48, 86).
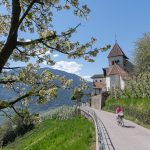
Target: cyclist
(119, 113)
(118, 110)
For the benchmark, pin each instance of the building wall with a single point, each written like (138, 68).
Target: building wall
(129, 66)
(120, 58)
(99, 80)
(114, 81)
(107, 83)
(96, 91)
(96, 101)
(122, 83)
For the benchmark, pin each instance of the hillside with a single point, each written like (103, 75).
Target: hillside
(53, 135)
(63, 98)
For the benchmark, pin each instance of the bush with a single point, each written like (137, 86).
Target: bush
(61, 113)
(142, 104)
(137, 87)
(18, 126)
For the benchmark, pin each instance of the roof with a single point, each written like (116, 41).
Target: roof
(99, 85)
(117, 70)
(116, 51)
(97, 76)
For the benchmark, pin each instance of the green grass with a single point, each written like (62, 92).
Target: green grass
(137, 110)
(76, 133)
(138, 104)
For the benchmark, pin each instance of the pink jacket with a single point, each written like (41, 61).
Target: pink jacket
(118, 110)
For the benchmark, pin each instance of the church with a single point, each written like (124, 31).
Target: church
(115, 75)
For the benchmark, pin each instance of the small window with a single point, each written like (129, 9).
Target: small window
(100, 80)
(117, 61)
(95, 80)
(112, 62)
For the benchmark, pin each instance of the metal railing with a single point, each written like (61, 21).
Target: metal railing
(104, 141)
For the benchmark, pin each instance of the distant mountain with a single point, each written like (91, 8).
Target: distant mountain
(63, 97)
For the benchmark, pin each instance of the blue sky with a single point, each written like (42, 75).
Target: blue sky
(128, 19)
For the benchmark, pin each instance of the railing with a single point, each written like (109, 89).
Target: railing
(103, 139)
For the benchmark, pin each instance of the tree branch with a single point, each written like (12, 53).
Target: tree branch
(7, 81)
(25, 14)
(7, 115)
(51, 37)
(16, 112)
(57, 49)
(11, 68)
(19, 99)
(78, 9)
(13, 34)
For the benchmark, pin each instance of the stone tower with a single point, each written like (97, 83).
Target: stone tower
(117, 56)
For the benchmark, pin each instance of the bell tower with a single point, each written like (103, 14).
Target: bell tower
(117, 56)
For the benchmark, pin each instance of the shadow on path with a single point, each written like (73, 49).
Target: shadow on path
(129, 126)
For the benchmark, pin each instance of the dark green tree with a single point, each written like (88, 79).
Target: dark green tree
(77, 96)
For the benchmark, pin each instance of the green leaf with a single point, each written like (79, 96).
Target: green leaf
(3, 104)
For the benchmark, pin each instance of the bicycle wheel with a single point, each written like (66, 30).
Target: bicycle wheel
(121, 122)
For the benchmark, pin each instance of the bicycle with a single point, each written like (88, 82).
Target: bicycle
(120, 121)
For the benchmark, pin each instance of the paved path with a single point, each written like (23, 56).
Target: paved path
(130, 137)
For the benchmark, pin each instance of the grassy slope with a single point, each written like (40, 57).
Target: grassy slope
(73, 134)
(140, 105)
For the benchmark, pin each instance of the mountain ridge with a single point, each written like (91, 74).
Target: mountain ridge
(63, 98)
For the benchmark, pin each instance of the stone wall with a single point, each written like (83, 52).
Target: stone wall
(96, 101)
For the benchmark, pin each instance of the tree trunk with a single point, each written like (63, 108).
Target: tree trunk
(13, 34)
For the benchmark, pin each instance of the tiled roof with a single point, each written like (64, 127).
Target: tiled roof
(117, 70)
(116, 51)
(99, 85)
(97, 76)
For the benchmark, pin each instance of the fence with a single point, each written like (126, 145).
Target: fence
(103, 141)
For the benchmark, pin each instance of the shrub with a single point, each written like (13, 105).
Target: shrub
(61, 113)
(18, 126)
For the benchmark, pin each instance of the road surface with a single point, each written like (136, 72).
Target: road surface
(130, 137)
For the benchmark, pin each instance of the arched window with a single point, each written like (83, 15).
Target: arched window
(117, 61)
